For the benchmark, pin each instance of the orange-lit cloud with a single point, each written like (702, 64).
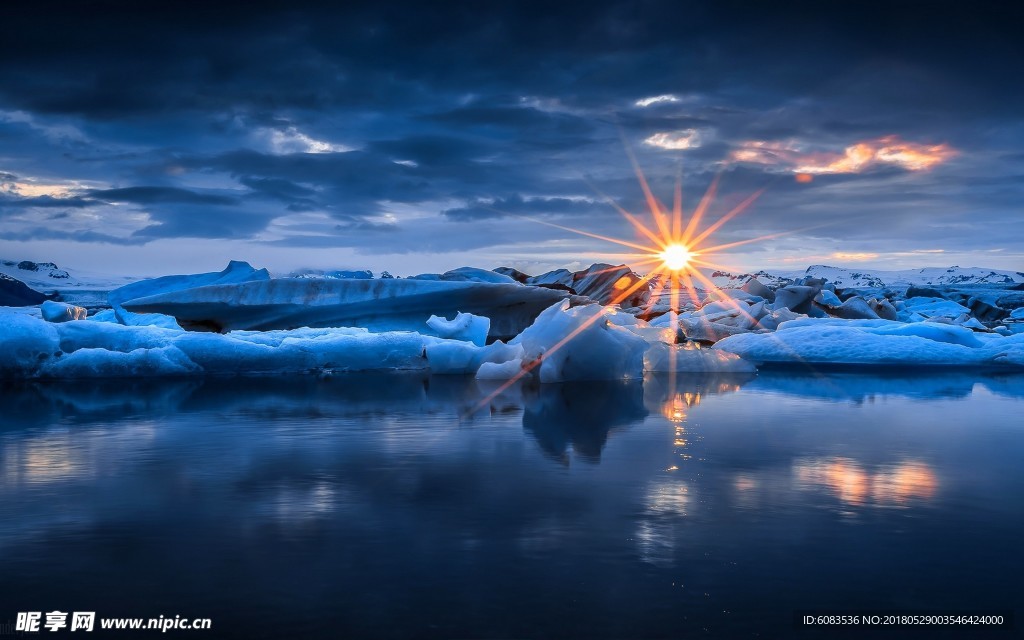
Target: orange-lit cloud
(854, 257)
(855, 158)
(32, 188)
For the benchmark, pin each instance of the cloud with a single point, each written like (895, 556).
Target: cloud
(246, 126)
(517, 205)
(291, 140)
(53, 132)
(646, 102)
(678, 140)
(160, 195)
(855, 158)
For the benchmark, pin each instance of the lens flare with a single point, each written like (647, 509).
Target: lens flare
(676, 257)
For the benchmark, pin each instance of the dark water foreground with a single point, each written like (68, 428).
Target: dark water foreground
(391, 507)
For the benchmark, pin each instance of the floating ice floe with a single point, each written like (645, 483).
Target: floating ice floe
(34, 348)
(877, 343)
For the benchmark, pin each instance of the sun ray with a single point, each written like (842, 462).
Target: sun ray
(677, 206)
(624, 243)
(702, 206)
(740, 208)
(652, 202)
(640, 226)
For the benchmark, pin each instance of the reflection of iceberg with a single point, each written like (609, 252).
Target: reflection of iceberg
(581, 415)
(674, 395)
(39, 404)
(857, 387)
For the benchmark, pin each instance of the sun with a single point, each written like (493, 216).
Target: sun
(676, 250)
(675, 256)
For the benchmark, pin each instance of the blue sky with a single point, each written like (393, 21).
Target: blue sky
(412, 138)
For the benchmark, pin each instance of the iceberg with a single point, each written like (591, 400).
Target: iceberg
(381, 304)
(691, 358)
(879, 342)
(582, 343)
(35, 348)
(235, 272)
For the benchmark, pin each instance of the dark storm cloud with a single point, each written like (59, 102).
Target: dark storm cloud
(8, 203)
(517, 206)
(217, 119)
(159, 195)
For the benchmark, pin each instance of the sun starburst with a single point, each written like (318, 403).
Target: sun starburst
(675, 253)
(676, 256)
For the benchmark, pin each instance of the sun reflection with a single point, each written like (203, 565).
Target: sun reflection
(851, 483)
(676, 408)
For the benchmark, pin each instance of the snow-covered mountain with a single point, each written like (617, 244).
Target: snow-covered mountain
(874, 278)
(48, 277)
(929, 276)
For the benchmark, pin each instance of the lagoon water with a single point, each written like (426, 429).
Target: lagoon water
(404, 506)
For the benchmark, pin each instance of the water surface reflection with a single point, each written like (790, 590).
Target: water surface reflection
(392, 506)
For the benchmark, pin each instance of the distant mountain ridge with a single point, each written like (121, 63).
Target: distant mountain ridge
(876, 278)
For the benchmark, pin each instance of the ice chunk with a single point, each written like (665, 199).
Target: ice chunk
(472, 274)
(465, 326)
(26, 343)
(828, 298)
(500, 370)
(458, 357)
(689, 358)
(704, 330)
(62, 312)
(795, 298)
(755, 287)
(130, 319)
(103, 363)
(932, 307)
(604, 283)
(883, 308)
(107, 315)
(877, 343)
(771, 321)
(34, 348)
(581, 343)
(854, 308)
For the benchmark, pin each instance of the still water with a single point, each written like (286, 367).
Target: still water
(399, 507)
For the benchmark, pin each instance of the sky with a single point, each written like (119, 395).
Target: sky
(147, 138)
